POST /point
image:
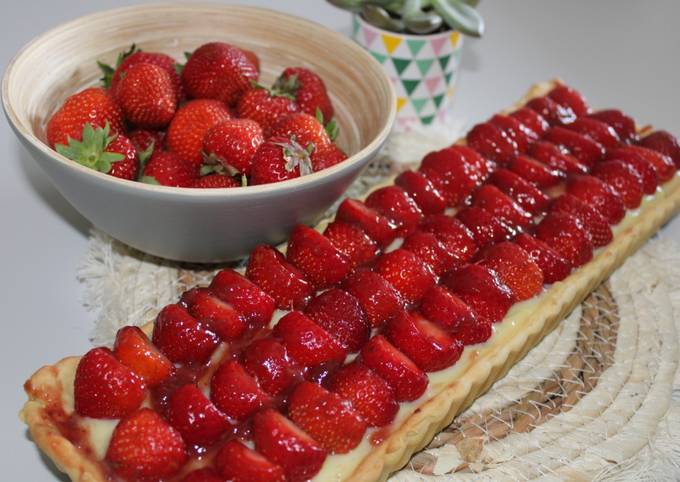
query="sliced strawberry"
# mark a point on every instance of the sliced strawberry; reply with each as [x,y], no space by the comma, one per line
[593,222]
[306,342]
[520,190]
[406,379]
[134,350]
[352,241]
[623,179]
[447,310]
[645,169]
[269,270]
[454,235]
[235,392]
[326,417]
[535,172]
[597,130]
[195,417]
[514,130]
[553,265]
[377,297]
[515,268]
[556,158]
[220,316]
[551,111]
[492,199]
[202,475]
[620,122]
[246,297]
[455,171]
[104,387]
[378,227]
[566,235]
[599,196]
[422,191]
[430,347]
[393,203]
[237,463]
[664,143]
[266,361]
[340,314]
[406,273]
[482,290]
[570,98]
[181,338]
[531,120]
[431,251]
[278,439]
[492,142]
[484,226]
[581,147]
[371,397]
[322,263]
[664,165]
[144,447]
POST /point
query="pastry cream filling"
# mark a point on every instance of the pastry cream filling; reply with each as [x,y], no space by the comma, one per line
[341,466]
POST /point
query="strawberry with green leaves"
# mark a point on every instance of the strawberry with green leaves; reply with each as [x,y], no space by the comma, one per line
[231,144]
[308,90]
[306,129]
[279,159]
[265,106]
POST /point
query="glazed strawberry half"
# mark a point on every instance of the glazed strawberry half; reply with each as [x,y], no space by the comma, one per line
[597,130]
[396,205]
[195,417]
[453,234]
[431,251]
[235,392]
[514,130]
[620,122]
[555,113]
[237,463]
[266,360]
[306,342]
[315,255]
[553,265]
[581,147]
[181,338]
[492,143]
[598,195]
[665,168]
[663,142]
[211,311]
[451,313]
[593,222]
[569,98]
[623,179]
[352,241]
[484,226]
[536,172]
[515,268]
[375,225]
[554,156]
[422,191]
[567,235]
[493,200]
[246,297]
[379,300]
[340,314]
[526,195]
[455,172]
[531,120]
[134,350]
[407,274]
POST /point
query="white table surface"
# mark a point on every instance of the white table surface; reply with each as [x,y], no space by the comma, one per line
[622,53]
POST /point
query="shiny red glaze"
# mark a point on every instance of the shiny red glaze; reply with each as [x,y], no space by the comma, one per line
[665,168]
[397,206]
[341,315]
[422,190]
[531,120]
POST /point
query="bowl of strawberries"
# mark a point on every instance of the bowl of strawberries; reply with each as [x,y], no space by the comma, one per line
[196,132]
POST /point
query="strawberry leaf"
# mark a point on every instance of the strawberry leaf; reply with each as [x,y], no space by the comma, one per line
[149,180]
[332,129]
[91,151]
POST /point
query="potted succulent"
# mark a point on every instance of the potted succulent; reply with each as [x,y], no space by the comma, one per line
[419,44]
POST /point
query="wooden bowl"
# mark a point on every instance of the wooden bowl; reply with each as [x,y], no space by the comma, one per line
[191,224]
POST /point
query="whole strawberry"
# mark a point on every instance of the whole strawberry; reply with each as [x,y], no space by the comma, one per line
[111,154]
[167,168]
[92,106]
[219,71]
[308,89]
[265,106]
[142,140]
[327,156]
[233,143]
[215,181]
[306,128]
[279,159]
[147,96]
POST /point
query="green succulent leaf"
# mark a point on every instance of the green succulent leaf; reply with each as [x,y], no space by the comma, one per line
[422,22]
[460,16]
[379,17]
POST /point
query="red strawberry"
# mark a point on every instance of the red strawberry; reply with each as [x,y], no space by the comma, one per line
[477,331]
[93,106]
[144,447]
[430,347]
[266,361]
[581,147]
[279,159]
[406,273]
[134,350]
[665,168]
[326,417]
[456,238]
[553,265]
[551,111]
[219,71]
[431,251]
[237,463]
[265,107]
[521,191]
[555,158]
[352,242]
[492,142]
[202,475]
[312,253]
[515,268]
[306,128]
[406,379]
[215,181]
[233,143]
[147,95]
[195,417]
[190,125]
[142,140]
[447,310]
[598,195]
[664,143]
[246,297]
[514,130]
[378,227]
[593,222]
[278,439]
[491,198]
[181,338]
[235,392]
[376,296]
[167,168]
[536,172]
[621,123]
[422,191]
[482,290]
[393,203]
[623,179]
[308,89]
[340,314]
[531,120]
[569,98]
[220,316]
[114,155]
[327,156]
[306,342]
[484,226]
[104,387]
[252,56]
[268,269]
[597,131]
[566,235]
[371,397]
[455,172]
[645,169]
